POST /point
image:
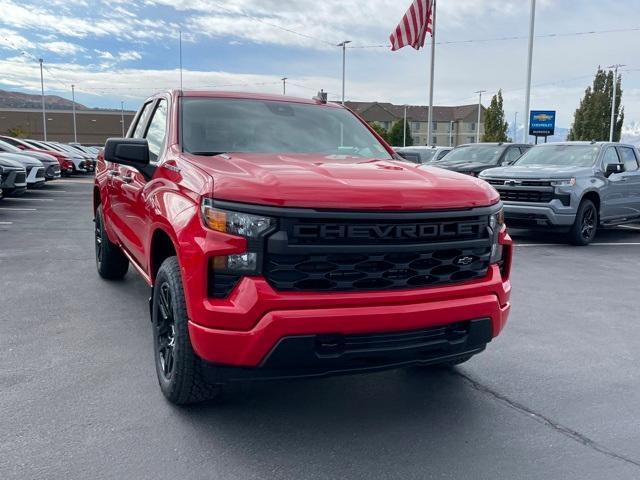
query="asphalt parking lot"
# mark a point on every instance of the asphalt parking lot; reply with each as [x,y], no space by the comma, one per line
[555,396]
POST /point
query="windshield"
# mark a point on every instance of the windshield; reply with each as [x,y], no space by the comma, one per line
[211,125]
[485,154]
[562,155]
[7,147]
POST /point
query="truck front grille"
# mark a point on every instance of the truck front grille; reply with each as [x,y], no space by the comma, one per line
[525,196]
[21,177]
[375,270]
[359,252]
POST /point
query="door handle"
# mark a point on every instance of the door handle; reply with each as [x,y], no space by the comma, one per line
[127,179]
[113,173]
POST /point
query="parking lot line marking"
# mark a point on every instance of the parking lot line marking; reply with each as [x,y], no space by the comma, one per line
[18,209]
[31,199]
[6,223]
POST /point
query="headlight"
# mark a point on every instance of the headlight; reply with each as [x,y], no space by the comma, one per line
[234,223]
[496,222]
[564,182]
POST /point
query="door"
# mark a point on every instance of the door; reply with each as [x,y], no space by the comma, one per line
[615,192]
[631,177]
[127,184]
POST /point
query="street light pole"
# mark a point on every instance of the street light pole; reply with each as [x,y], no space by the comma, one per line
[527,95]
[344,63]
[284,85]
[122,117]
[479,92]
[404,132]
[451,133]
[44,115]
[613,99]
[73,98]
[515,126]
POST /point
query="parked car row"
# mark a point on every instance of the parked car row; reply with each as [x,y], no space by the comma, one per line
[572,187]
[28,163]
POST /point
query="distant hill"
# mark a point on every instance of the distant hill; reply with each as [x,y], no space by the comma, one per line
[24,100]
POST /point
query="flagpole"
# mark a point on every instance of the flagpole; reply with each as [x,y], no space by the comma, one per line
[433,62]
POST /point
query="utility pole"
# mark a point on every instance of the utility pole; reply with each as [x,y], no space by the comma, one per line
[613,99]
[122,117]
[73,98]
[44,115]
[344,63]
[284,85]
[527,95]
[515,126]
[180,64]
[432,74]
[404,133]
[451,133]
[479,92]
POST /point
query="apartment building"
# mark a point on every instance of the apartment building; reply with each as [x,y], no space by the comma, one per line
[450,125]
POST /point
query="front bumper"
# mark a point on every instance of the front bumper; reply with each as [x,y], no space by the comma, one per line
[310,315]
[539,215]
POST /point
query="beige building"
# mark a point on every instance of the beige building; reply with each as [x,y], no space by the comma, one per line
[450,126]
[93,126]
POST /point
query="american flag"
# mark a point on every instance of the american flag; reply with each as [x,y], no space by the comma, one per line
[414,26]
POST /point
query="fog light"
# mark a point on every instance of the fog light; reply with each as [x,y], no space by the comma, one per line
[243,262]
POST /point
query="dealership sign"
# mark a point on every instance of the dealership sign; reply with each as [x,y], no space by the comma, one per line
[542,123]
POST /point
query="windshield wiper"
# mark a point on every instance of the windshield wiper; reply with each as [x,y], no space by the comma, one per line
[207,154]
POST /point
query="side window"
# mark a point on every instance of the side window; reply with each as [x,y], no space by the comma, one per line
[157,132]
[442,154]
[512,154]
[610,156]
[629,159]
[142,120]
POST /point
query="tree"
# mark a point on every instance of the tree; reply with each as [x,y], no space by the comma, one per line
[17,132]
[380,131]
[495,126]
[396,137]
[592,120]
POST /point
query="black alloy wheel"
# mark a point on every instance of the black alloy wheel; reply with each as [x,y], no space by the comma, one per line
[165,332]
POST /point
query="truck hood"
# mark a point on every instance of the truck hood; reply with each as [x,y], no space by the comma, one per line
[339,182]
[462,166]
[537,171]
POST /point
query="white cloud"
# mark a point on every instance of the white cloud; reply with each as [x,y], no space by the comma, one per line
[12,40]
[129,56]
[62,48]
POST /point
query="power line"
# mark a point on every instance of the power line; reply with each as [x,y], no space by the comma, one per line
[502,39]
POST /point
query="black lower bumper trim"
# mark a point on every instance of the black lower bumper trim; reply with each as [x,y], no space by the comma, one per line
[337,354]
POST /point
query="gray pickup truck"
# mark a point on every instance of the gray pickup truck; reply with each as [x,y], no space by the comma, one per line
[572,186]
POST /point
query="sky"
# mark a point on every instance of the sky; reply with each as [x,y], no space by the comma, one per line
[116,50]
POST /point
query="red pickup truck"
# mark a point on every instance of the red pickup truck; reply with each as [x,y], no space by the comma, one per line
[282,237]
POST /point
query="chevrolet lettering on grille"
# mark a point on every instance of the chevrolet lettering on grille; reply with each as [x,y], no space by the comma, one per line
[389,232]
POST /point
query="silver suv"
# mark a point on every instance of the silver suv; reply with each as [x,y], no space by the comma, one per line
[574,186]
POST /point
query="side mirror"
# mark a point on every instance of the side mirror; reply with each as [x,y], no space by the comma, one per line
[612,168]
[133,152]
[507,163]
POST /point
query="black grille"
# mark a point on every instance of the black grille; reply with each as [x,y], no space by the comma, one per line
[525,196]
[375,270]
[221,284]
[40,173]
[21,177]
[333,344]
[524,183]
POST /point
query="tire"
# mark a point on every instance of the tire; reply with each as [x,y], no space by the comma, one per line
[178,368]
[110,261]
[585,225]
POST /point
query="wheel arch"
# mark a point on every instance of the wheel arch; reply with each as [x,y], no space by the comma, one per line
[161,247]
[594,196]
